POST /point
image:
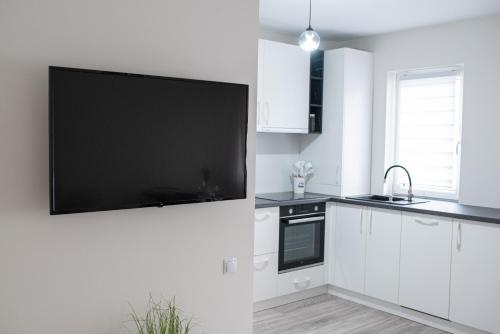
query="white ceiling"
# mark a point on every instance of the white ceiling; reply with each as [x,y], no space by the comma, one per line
[346,19]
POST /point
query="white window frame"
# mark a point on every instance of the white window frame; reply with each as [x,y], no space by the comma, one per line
[392,126]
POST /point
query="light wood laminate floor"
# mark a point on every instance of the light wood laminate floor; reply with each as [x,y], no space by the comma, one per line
[333,315]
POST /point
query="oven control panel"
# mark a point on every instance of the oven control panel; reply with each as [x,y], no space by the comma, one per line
[302,209]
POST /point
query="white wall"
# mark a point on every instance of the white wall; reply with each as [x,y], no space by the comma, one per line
[77,273]
[474,43]
[275,155]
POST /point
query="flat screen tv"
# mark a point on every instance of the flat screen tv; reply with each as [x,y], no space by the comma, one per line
[120,140]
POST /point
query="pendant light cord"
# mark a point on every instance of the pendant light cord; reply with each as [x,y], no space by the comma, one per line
[310,10]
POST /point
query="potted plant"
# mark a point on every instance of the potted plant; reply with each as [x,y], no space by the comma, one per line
[161,317]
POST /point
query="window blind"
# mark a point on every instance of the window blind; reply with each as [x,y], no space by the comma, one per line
[428,131]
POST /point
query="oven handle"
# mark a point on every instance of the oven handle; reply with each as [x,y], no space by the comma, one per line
[305,220]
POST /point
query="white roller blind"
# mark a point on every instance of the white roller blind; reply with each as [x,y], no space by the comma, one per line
[428,131]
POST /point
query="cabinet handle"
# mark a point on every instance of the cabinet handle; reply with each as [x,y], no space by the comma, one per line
[261,265]
[371,222]
[361,222]
[258,115]
[459,237]
[418,221]
[266,120]
[457,147]
[262,217]
[305,283]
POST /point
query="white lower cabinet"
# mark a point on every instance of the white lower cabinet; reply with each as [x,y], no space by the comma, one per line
[265,276]
[366,251]
[300,280]
[425,264]
[349,248]
[265,263]
[266,231]
[383,243]
[449,269]
[475,275]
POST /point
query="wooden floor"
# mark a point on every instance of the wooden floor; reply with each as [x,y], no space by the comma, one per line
[330,314]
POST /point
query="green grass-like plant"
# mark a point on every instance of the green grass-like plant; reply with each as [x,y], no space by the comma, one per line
[161,317]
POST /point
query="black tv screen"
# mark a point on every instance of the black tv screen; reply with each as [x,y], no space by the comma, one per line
[121,140]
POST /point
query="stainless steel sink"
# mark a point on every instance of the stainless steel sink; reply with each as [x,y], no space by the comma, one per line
[387,199]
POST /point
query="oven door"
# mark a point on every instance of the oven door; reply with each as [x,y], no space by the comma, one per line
[302,242]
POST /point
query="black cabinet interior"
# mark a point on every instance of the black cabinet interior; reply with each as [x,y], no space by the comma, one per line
[316,92]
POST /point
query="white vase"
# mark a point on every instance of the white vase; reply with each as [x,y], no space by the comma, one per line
[299,185]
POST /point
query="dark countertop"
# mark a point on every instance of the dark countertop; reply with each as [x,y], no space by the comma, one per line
[264,203]
[433,207]
[289,198]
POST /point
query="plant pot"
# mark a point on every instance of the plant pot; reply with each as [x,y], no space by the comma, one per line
[299,185]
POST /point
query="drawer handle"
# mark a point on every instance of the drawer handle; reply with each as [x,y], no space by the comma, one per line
[302,284]
[418,221]
[263,217]
[261,265]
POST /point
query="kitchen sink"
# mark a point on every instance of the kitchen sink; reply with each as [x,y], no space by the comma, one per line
[387,199]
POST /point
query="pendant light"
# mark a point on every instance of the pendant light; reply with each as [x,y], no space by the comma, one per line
[309,39]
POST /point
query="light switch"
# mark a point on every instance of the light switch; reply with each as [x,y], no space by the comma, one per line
[230,265]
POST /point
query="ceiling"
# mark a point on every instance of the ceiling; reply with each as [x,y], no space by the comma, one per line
[346,19]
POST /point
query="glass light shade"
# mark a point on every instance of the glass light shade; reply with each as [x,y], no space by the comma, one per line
[309,40]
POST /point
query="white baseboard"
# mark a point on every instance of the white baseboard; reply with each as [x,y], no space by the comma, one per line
[287,299]
[426,319]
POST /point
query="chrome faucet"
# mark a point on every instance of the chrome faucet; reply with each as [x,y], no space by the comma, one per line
[410,189]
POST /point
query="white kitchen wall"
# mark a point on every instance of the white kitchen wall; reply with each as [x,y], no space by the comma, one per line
[77,273]
[276,153]
[474,43]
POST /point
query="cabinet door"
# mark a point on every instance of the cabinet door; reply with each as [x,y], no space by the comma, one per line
[265,277]
[266,236]
[260,86]
[349,262]
[475,275]
[331,210]
[383,246]
[285,88]
[425,264]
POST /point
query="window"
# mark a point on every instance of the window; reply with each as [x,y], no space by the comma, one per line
[427,124]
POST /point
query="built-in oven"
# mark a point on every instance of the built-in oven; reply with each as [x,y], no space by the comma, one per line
[302,236]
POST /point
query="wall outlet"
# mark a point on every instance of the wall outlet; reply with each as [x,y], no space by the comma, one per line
[230,265]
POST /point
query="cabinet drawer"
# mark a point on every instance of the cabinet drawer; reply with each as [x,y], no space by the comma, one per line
[266,235]
[265,276]
[301,280]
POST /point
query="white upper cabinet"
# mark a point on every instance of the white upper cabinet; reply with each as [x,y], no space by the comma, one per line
[282,88]
[475,275]
[425,264]
[383,244]
[349,248]
[341,155]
